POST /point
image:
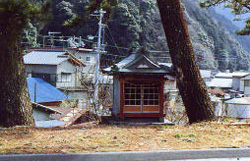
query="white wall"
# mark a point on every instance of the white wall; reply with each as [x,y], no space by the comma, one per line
[90,65]
[243,87]
[236,84]
[73,75]
[83,57]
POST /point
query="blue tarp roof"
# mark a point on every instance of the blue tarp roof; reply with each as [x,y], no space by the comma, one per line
[51,123]
[45,92]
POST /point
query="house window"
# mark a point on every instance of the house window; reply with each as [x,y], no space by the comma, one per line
[65,77]
[87,58]
[142,94]
[247,83]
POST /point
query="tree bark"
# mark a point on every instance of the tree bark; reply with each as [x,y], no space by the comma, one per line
[189,81]
[15,105]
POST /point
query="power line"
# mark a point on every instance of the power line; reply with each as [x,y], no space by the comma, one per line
[112,38]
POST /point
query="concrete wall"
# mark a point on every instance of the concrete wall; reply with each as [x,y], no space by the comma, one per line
[40,115]
[238,111]
[81,96]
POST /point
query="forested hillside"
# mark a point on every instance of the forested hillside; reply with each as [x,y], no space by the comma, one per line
[211,41]
[231,26]
[135,23]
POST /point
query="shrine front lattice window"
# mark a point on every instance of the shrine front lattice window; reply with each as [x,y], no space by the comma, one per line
[146,94]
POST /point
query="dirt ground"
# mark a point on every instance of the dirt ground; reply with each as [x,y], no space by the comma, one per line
[102,138]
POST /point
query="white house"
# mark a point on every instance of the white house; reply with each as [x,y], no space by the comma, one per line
[59,68]
[86,56]
[228,80]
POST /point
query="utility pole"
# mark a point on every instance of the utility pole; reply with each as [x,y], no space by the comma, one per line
[98,55]
[35,88]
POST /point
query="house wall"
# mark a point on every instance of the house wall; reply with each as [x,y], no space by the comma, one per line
[247,91]
[56,75]
[116,95]
[241,85]
[236,84]
[68,75]
[89,59]
[244,87]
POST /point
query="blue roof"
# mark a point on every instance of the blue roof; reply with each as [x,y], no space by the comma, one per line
[45,92]
[47,124]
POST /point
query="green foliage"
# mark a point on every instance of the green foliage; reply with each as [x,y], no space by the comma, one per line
[191,135]
[73,21]
[19,17]
[65,13]
[106,5]
[14,13]
[134,23]
[188,136]
[125,26]
[29,35]
[15,16]
[19,12]
[238,7]
[137,23]
[67,16]
[246,29]
[188,140]
[179,135]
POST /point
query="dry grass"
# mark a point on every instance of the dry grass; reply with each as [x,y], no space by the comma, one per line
[122,138]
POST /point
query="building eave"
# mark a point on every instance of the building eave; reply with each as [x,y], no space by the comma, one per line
[46,108]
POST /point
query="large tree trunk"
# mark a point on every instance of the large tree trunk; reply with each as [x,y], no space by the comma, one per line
[189,81]
[15,105]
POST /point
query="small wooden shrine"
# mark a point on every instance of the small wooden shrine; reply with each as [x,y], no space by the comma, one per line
[139,86]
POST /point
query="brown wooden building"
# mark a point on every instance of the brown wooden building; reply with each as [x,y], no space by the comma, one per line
[138,86]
